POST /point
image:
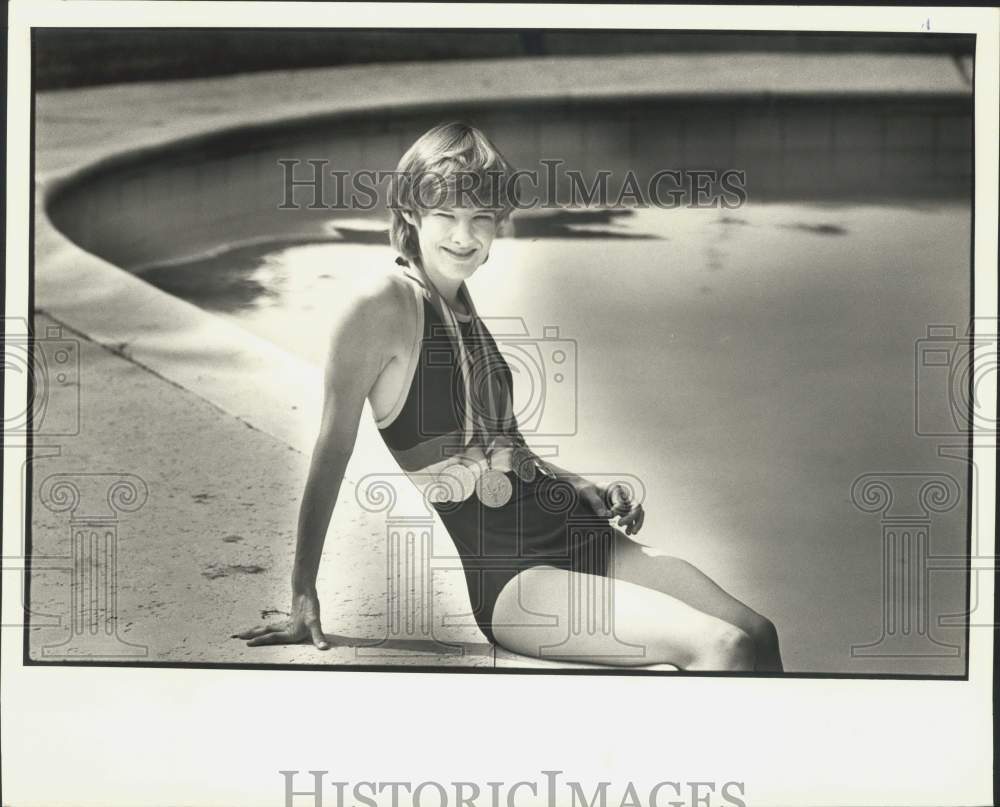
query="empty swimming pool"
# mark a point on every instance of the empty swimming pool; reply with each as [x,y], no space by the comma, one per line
[749,365]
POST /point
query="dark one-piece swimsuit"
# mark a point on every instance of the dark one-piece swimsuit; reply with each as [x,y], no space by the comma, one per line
[543,523]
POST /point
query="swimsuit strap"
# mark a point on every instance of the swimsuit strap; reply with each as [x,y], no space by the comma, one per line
[452,329]
[498,400]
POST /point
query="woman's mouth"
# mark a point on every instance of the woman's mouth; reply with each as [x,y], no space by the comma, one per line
[459,256]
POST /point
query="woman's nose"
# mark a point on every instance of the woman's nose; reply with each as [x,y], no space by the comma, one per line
[461,233]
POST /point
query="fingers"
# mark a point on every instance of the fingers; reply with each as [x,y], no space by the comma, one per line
[632,521]
[632,514]
[260,630]
[282,634]
[278,637]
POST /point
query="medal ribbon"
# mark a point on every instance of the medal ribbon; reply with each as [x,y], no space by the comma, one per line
[479,428]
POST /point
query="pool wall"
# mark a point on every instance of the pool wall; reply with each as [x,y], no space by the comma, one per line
[173,202]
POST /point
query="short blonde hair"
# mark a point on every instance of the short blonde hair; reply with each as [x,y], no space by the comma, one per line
[438,163]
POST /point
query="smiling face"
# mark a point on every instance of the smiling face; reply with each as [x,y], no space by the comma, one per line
[454,241]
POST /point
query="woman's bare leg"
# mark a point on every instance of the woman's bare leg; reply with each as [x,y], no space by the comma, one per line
[562,615]
[683,580]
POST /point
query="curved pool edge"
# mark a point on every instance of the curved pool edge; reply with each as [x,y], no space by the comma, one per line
[218,361]
[200,106]
[170,336]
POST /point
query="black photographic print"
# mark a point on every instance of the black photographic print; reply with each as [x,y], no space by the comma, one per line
[354,342]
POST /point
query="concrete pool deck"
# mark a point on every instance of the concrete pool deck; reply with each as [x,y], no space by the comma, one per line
[199,380]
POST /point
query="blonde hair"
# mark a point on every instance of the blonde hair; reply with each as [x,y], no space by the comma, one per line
[448,152]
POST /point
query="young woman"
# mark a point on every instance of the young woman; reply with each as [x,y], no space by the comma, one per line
[535,564]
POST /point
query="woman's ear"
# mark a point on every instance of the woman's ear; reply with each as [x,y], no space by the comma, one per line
[408,217]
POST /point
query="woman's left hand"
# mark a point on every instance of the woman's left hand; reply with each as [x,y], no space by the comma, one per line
[614,501]
[632,514]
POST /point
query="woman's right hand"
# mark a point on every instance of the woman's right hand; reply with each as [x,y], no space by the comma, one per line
[302,625]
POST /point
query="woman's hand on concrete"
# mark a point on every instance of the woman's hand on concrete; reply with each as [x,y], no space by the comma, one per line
[302,625]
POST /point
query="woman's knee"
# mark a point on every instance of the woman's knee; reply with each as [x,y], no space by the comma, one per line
[763,632]
[730,648]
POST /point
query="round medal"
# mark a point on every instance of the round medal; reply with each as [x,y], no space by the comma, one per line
[462,480]
[523,462]
[494,488]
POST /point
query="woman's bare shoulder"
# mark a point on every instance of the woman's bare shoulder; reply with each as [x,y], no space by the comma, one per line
[375,307]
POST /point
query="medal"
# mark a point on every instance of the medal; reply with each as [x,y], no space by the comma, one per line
[484,421]
[460,479]
[494,488]
[523,462]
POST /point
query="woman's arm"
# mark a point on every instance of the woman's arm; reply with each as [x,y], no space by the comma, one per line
[355,358]
[360,347]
